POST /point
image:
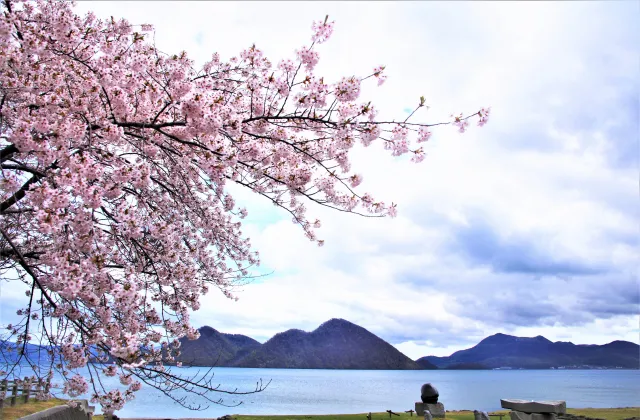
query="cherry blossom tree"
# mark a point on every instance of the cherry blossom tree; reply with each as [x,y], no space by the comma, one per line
[114,206]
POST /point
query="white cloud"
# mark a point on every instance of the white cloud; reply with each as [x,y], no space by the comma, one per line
[545,170]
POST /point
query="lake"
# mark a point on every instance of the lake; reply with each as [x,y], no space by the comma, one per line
[302,391]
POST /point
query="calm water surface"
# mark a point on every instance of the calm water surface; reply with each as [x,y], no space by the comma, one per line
[298,391]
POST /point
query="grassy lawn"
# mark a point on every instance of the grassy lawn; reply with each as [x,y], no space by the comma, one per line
[601,413]
[459,415]
[606,413]
[21,409]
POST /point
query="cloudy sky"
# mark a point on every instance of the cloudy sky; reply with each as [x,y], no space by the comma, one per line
[526,226]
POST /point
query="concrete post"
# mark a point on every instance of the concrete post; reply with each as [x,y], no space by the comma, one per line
[14,392]
[26,389]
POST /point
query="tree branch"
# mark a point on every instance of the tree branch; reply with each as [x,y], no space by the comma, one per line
[7,152]
[19,195]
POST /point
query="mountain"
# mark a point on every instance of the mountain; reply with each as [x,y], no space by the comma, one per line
[502,350]
[11,353]
[340,344]
[425,364]
[336,344]
[214,348]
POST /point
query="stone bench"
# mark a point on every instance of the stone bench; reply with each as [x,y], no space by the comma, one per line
[540,407]
[534,410]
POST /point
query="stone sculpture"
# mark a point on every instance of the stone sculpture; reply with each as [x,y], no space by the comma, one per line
[429,396]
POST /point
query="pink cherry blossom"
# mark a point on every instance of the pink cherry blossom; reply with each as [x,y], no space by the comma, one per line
[355,179]
[484,116]
[115,164]
[377,72]
[308,57]
[76,386]
[322,31]
[348,89]
[423,135]
[461,123]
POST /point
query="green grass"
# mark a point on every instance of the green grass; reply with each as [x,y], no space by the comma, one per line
[606,413]
[22,409]
[601,413]
[464,415]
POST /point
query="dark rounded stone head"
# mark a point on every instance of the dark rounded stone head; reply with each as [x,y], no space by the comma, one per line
[429,394]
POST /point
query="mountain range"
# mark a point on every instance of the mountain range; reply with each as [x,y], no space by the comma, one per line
[502,350]
[336,344]
[340,344]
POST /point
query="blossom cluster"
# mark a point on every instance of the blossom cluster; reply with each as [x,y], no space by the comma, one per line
[75,386]
[377,72]
[484,116]
[115,165]
[322,31]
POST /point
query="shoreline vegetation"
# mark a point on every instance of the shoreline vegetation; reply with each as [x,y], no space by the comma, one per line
[622,413]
